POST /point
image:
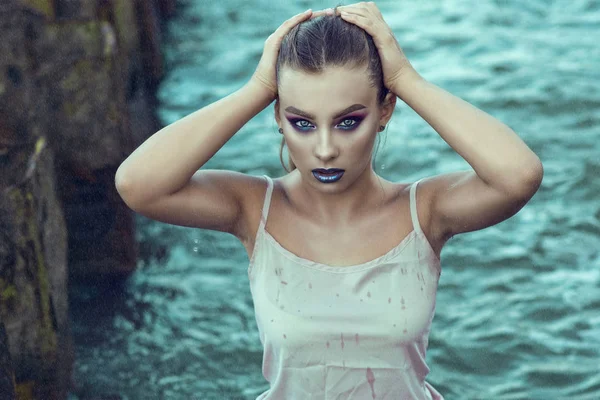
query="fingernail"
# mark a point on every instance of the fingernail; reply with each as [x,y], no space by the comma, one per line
[307,11]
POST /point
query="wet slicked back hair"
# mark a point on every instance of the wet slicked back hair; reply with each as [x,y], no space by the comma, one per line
[329,41]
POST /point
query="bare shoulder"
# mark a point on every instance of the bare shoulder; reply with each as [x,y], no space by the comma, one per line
[461,201]
[427,190]
[249,190]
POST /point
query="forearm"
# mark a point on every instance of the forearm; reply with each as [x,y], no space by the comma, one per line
[496,153]
[166,161]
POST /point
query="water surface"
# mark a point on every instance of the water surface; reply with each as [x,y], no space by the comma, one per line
[517,310]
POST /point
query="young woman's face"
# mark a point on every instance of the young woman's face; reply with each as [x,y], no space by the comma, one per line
[330,120]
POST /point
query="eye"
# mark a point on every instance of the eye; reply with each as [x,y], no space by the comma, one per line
[346,124]
[301,124]
[349,123]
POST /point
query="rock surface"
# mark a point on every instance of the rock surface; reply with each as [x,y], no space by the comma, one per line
[77,81]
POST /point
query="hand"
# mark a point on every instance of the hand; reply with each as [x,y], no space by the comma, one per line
[265,71]
[394,63]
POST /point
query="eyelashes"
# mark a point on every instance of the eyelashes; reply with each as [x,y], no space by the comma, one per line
[346,124]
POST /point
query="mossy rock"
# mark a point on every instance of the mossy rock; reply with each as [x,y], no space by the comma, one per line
[7,374]
[33,280]
[44,7]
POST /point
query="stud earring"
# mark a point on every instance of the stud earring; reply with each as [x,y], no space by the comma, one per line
[381,128]
[281,130]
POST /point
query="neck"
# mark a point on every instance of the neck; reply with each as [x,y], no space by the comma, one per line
[338,207]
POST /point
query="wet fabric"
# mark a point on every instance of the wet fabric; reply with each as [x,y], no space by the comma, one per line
[353,332]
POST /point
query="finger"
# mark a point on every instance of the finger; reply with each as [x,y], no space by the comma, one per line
[327,11]
[356,12]
[302,15]
[291,22]
[297,18]
[358,20]
[353,12]
[352,8]
[374,9]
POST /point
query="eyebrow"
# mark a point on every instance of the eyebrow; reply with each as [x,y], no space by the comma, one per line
[345,111]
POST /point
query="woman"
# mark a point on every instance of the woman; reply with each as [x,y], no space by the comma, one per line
[344,265]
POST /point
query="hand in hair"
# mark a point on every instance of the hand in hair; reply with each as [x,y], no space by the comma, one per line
[265,71]
[394,63]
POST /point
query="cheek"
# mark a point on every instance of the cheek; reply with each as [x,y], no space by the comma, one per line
[294,148]
[364,144]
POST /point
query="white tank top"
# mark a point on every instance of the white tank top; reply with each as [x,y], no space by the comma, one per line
[354,332]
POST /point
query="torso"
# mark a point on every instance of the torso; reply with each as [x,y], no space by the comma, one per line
[367,238]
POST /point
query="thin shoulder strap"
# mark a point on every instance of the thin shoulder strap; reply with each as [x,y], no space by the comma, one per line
[267,202]
[413,206]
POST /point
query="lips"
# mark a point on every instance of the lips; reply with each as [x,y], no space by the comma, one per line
[328,171]
[328,175]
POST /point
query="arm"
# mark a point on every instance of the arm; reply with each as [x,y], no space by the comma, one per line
[506,172]
[161,179]
[499,157]
[170,157]
[166,161]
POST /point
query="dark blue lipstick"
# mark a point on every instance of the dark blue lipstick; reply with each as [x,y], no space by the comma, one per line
[328,175]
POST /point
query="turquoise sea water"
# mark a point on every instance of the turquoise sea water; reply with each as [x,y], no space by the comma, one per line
[518,307]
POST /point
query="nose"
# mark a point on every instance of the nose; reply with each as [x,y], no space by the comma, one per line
[325,148]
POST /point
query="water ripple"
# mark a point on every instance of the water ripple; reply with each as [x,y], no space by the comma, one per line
[517,310]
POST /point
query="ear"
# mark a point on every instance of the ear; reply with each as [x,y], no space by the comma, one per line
[387,108]
[276,107]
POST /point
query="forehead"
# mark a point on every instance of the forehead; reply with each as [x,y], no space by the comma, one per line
[330,90]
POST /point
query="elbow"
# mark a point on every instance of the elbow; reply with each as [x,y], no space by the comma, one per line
[120,181]
[123,187]
[531,179]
